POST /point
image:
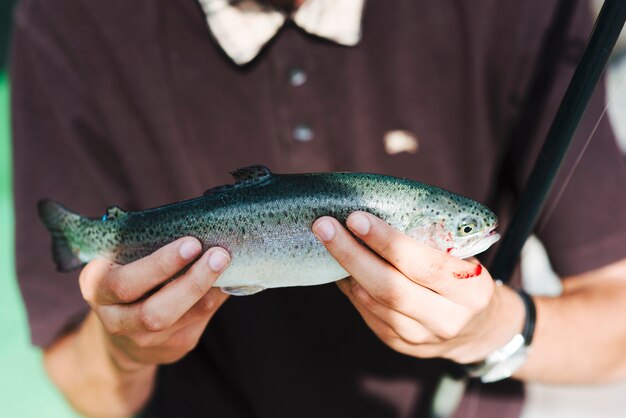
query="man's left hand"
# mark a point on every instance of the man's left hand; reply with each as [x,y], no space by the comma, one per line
[418,300]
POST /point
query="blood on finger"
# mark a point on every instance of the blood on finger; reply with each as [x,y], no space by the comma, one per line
[468,274]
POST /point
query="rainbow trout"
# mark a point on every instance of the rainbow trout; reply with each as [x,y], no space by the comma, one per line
[264,220]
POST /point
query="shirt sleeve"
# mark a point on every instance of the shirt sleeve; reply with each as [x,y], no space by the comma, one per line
[60,151]
[583,223]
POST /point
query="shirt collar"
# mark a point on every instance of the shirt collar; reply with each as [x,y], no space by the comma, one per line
[243,27]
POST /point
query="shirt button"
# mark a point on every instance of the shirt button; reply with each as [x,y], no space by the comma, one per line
[297,77]
[303,133]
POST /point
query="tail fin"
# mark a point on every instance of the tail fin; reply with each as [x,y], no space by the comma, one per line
[58,220]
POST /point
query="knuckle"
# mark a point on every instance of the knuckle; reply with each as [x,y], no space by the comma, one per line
[112,326]
[197,285]
[206,305]
[410,336]
[451,329]
[90,278]
[391,297]
[166,261]
[388,336]
[150,319]
[143,340]
[386,244]
[367,300]
[345,258]
[119,289]
[434,269]
[164,264]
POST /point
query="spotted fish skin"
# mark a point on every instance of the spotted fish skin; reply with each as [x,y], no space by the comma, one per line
[264,220]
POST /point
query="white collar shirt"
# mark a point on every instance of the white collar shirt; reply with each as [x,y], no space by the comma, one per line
[242,28]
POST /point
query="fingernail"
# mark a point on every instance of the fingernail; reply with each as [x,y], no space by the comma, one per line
[189,249]
[217,261]
[359,223]
[325,230]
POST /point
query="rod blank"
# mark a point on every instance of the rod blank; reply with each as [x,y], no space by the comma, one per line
[584,81]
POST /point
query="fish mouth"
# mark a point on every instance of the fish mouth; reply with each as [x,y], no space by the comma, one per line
[478,246]
[493,233]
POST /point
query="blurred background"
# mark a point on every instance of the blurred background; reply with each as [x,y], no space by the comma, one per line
[24,389]
[26,392]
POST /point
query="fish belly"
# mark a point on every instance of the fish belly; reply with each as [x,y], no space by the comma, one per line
[281,263]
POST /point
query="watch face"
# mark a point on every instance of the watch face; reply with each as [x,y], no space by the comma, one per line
[506,367]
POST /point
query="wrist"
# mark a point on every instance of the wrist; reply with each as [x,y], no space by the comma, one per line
[79,365]
[503,319]
[505,360]
[129,380]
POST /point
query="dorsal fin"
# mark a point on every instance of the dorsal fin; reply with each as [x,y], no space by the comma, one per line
[113,212]
[253,175]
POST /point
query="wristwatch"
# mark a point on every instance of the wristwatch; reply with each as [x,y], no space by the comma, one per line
[502,363]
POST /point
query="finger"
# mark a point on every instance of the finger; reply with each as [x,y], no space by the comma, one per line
[205,308]
[381,280]
[378,326]
[388,334]
[165,307]
[426,266]
[387,285]
[114,284]
[180,336]
[408,329]
[183,341]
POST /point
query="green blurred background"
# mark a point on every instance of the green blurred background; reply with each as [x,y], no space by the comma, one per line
[25,391]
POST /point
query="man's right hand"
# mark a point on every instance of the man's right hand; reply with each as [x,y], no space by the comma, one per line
[145,328]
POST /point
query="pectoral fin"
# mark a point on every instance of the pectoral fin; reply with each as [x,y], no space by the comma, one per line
[419,228]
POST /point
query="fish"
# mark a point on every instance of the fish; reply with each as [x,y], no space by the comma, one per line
[264,220]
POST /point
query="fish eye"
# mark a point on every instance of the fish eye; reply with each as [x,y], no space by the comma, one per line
[467,226]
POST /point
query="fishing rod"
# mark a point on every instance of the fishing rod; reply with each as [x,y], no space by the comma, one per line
[588,72]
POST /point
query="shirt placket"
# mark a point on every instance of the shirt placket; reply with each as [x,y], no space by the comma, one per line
[298,104]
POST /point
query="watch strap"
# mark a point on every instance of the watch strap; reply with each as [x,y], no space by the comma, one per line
[503,362]
[531,316]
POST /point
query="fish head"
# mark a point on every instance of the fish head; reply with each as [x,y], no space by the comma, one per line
[456,225]
[473,235]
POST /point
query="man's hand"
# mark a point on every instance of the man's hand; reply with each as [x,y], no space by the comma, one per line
[106,367]
[418,300]
[161,327]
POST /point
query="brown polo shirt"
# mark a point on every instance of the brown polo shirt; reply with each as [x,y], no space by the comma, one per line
[132,103]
